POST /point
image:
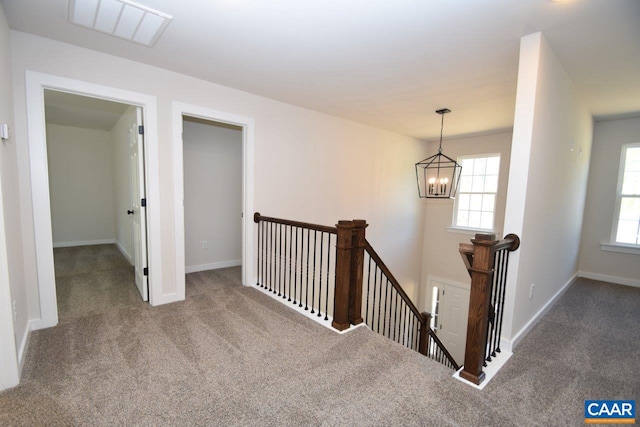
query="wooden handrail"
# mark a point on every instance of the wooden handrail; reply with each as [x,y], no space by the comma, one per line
[423,318]
[257,218]
[394,282]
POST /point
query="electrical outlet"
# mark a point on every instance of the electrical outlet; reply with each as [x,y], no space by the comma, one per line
[15,312]
[531,290]
[205,244]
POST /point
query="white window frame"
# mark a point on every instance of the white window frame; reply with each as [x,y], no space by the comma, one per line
[454,227]
[614,246]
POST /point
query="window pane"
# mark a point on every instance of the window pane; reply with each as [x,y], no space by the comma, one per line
[493,165]
[465,183]
[476,202]
[486,220]
[480,166]
[474,219]
[630,209]
[488,202]
[491,184]
[467,166]
[627,232]
[463,201]
[631,183]
[632,160]
[478,184]
[463,219]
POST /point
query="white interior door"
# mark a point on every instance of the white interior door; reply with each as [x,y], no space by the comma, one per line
[138,202]
[453,313]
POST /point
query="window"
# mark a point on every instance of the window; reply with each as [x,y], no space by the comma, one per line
[476,201]
[627,224]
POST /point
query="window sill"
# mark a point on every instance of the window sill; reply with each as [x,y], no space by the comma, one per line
[471,231]
[620,248]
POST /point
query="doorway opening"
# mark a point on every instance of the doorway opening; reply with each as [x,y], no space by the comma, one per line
[36,84]
[212,165]
[95,162]
[202,138]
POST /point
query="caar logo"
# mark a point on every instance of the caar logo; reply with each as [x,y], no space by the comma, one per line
[610,411]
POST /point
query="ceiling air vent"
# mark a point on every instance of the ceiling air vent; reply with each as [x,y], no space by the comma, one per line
[120,18]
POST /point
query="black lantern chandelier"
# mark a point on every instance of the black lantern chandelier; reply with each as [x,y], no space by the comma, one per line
[438,176]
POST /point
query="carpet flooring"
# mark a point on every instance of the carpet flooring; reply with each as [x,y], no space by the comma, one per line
[230,355]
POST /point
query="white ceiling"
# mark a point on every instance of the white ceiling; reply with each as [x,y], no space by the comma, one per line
[80,111]
[386,63]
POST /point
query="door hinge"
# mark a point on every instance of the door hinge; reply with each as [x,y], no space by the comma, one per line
[143,203]
[145,271]
[141,130]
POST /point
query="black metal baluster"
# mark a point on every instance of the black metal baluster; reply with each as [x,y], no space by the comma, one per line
[313,276]
[295,266]
[259,252]
[320,275]
[379,299]
[375,288]
[306,295]
[270,252]
[326,297]
[496,304]
[386,297]
[290,240]
[505,268]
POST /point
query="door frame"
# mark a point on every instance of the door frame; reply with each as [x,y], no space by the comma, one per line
[36,83]
[180,109]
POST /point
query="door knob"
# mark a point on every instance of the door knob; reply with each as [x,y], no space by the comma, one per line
[129,212]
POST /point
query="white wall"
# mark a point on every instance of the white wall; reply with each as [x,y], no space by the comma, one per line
[13,335]
[440,254]
[212,195]
[608,139]
[120,158]
[80,185]
[308,166]
[547,184]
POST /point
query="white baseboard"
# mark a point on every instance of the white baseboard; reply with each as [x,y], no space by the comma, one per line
[511,344]
[490,371]
[84,243]
[124,253]
[611,279]
[24,345]
[213,266]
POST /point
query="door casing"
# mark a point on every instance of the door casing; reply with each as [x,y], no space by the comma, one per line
[36,83]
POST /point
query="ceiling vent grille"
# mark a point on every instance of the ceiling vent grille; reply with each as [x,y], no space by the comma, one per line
[120,18]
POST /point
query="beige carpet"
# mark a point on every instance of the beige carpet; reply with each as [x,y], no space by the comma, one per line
[230,355]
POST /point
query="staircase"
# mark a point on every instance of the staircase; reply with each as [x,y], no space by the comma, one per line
[334,275]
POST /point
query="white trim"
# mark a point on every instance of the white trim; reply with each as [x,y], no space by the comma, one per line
[24,345]
[35,85]
[611,279]
[124,253]
[490,371]
[9,366]
[509,345]
[620,248]
[213,266]
[471,231]
[307,313]
[179,109]
[84,243]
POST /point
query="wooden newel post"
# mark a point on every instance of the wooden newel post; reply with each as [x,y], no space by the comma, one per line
[423,344]
[357,268]
[343,275]
[479,301]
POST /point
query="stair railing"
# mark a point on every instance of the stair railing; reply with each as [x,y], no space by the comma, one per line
[487,261]
[321,269]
